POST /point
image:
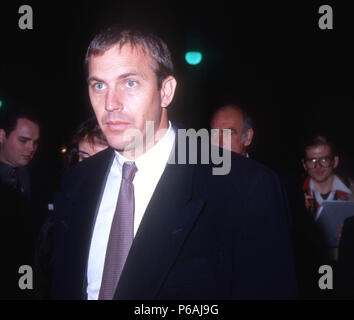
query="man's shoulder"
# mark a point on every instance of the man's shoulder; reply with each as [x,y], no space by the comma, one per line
[243,166]
[245,173]
[251,165]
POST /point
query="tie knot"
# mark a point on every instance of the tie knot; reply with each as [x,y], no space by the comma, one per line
[129,170]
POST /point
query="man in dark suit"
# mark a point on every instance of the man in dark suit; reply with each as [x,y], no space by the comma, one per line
[19,136]
[196,234]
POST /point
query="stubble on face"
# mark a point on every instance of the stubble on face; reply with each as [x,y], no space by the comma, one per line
[129,96]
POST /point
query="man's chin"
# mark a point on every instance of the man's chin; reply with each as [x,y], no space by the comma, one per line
[122,147]
[22,164]
[119,146]
[130,151]
[320,179]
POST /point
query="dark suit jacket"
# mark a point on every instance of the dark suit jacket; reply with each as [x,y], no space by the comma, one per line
[16,242]
[201,237]
[344,278]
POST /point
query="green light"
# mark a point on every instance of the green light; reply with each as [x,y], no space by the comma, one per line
[0,103]
[193,57]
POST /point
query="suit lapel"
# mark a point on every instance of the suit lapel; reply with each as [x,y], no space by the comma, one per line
[166,223]
[84,202]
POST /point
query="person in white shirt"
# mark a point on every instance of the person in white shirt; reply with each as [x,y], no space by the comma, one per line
[320,161]
[195,235]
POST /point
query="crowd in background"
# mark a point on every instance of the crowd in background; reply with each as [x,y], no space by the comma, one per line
[66,228]
[28,197]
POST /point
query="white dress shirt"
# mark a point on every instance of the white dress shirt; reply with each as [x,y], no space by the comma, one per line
[150,167]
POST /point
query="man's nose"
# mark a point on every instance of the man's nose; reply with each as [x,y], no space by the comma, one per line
[113,101]
[318,164]
[31,147]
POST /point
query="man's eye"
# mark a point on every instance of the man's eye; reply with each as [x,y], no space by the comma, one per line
[227,132]
[131,83]
[99,86]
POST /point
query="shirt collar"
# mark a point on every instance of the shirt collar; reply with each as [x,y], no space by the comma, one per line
[6,170]
[337,185]
[155,156]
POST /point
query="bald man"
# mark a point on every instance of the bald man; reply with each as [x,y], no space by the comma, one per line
[239,122]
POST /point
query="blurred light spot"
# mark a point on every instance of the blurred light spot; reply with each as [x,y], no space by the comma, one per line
[193,57]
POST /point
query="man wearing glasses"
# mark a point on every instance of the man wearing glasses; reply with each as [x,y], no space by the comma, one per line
[319,161]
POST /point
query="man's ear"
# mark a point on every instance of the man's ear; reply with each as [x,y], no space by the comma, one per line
[167,91]
[2,135]
[303,164]
[336,162]
[249,137]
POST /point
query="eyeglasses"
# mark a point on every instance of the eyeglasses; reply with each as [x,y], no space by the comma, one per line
[325,162]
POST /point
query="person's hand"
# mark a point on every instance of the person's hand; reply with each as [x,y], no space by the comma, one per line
[309,202]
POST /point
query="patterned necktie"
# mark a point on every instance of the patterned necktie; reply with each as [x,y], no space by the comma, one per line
[121,234]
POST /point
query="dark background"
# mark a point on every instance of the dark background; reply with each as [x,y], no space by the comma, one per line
[272,57]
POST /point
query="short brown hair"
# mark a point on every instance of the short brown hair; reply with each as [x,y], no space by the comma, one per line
[10,116]
[88,130]
[118,35]
[320,140]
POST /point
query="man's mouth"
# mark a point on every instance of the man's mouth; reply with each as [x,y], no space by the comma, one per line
[117,125]
[319,172]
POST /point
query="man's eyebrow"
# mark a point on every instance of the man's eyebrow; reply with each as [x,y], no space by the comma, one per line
[28,138]
[91,79]
[122,76]
[231,129]
[25,138]
[132,74]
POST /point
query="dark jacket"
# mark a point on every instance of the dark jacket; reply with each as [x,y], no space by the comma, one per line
[16,240]
[202,236]
[344,280]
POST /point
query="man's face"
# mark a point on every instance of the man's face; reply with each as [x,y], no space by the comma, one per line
[124,95]
[87,149]
[229,118]
[320,171]
[19,147]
